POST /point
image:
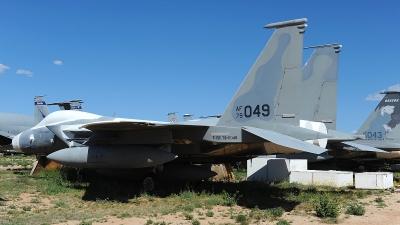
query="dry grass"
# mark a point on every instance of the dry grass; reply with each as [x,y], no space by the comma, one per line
[57,197]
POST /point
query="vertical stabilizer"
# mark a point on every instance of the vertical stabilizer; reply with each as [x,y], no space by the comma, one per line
[320,85]
[271,90]
[40,109]
[172,117]
[384,120]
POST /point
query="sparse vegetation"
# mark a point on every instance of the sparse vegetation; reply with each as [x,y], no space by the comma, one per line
[60,195]
[282,222]
[195,222]
[356,209]
[209,214]
[241,219]
[26,208]
[188,216]
[276,211]
[327,206]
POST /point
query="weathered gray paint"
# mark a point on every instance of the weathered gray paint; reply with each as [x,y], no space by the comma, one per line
[320,85]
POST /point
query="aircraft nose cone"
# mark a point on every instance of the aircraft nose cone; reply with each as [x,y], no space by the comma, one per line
[15,143]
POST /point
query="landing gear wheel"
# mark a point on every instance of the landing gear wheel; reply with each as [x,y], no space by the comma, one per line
[149,183]
[361,168]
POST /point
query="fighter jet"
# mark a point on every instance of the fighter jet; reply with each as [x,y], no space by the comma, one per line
[380,131]
[12,124]
[262,118]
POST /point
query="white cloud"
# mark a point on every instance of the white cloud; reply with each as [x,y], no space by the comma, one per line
[395,87]
[374,97]
[58,63]
[25,72]
[378,97]
[3,67]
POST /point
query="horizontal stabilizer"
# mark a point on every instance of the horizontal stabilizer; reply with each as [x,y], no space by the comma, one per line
[338,136]
[360,147]
[284,140]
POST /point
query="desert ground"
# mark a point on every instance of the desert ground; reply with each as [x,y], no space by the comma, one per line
[21,202]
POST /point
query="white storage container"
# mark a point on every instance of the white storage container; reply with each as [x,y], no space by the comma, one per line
[321,177]
[374,180]
[271,169]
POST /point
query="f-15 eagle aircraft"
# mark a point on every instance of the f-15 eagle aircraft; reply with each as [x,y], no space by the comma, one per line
[262,118]
[12,124]
[381,131]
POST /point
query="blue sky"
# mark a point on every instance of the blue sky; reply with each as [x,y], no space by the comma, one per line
[143,59]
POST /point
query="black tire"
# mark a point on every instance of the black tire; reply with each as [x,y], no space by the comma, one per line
[149,182]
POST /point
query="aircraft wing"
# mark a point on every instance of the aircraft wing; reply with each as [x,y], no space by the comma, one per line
[284,140]
[360,147]
[138,125]
[118,126]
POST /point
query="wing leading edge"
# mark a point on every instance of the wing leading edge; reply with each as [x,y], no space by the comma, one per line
[284,140]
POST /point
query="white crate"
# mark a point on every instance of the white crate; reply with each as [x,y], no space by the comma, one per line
[271,169]
[321,177]
[374,180]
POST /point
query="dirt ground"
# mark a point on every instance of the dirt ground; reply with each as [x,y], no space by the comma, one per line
[375,214]
[386,213]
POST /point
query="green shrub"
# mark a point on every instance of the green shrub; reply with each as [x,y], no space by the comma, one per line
[209,214]
[356,209]
[160,223]
[282,222]
[327,206]
[188,216]
[379,200]
[26,208]
[195,222]
[229,200]
[241,219]
[61,204]
[188,208]
[85,223]
[258,214]
[277,211]
[124,215]
[35,200]
[361,194]
[149,222]
[212,201]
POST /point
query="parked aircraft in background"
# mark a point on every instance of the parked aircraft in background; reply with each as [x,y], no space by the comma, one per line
[380,131]
[262,118]
[12,124]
